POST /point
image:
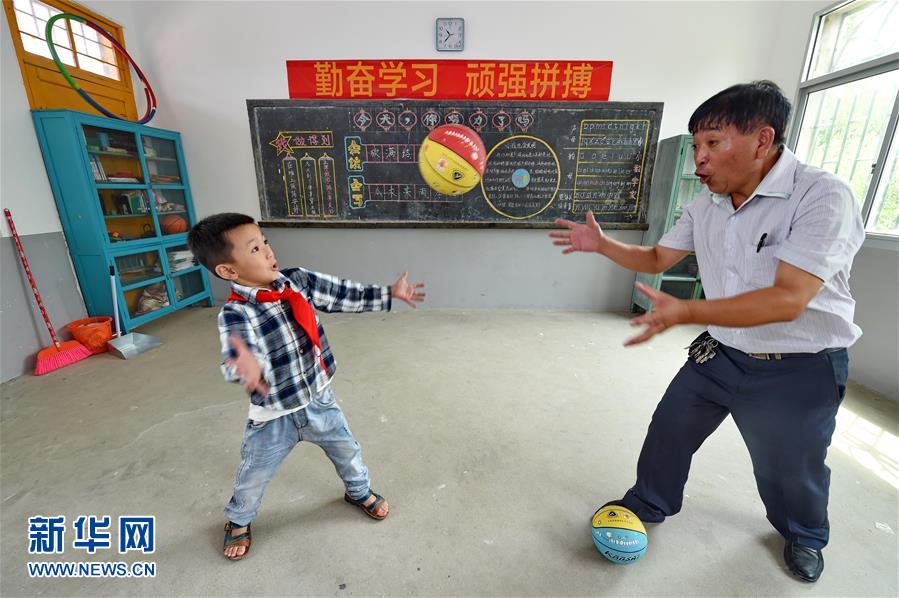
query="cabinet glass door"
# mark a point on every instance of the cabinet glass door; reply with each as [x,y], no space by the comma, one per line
[143,282]
[188,285]
[161,157]
[686,268]
[187,275]
[687,191]
[689,166]
[113,155]
[171,206]
[138,268]
[147,299]
[679,288]
[127,214]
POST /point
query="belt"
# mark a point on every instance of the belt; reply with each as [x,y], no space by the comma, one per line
[766,356]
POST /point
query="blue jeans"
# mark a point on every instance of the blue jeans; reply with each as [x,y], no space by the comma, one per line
[266,444]
[786,412]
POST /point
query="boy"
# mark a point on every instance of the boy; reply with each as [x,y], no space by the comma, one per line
[273,344]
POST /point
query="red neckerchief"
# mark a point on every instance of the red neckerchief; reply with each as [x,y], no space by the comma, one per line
[302,313]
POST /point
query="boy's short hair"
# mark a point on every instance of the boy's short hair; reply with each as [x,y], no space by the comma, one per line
[207,240]
[745,106]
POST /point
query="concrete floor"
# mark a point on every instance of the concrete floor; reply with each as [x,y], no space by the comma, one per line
[494,434]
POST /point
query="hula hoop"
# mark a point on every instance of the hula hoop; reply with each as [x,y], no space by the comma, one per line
[148,91]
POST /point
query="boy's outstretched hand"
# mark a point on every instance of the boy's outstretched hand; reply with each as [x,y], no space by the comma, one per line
[247,367]
[403,290]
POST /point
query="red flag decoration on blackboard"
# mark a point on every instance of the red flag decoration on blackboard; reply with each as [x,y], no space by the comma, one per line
[450,79]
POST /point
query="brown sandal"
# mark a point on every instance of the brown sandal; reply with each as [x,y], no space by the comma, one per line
[371,509]
[244,539]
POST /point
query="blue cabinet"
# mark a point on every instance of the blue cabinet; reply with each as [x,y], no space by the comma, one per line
[123,197]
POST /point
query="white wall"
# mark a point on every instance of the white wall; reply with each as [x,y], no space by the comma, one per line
[24,187]
[873,360]
[205,65]
[206,58]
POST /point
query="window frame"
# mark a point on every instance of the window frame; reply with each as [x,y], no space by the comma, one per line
[25,57]
[863,70]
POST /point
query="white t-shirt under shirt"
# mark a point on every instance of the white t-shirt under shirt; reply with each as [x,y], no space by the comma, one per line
[262,414]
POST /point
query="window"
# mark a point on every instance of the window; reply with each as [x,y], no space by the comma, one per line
[90,58]
[884,217]
[853,33]
[848,104]
[93,52]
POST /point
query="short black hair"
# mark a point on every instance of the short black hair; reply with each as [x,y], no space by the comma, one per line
[207,238]
[746,106]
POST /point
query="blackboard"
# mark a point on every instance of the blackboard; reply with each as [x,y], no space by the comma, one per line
[354,163]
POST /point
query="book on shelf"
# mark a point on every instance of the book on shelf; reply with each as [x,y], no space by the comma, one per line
[122,179]
[181,266]
[138,202]
[97,168]
[162,178]
[181,260]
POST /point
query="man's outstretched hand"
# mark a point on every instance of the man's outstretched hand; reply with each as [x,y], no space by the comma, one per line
[667,311]
[578,237]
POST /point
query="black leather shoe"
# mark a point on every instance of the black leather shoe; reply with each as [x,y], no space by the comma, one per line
[804,562]
[644,517]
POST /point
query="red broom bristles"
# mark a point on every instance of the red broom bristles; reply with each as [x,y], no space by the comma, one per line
[53,358]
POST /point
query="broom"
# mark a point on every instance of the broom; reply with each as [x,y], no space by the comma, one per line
[59,354]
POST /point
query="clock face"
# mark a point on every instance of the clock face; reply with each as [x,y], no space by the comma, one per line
[450,35]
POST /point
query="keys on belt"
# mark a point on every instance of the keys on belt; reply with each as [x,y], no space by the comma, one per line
[703,349]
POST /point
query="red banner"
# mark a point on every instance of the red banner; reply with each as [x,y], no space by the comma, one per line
[450,79]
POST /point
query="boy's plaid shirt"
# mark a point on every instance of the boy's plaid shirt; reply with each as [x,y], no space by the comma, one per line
[284,352]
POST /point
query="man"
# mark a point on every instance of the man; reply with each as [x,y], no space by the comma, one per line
[775,240]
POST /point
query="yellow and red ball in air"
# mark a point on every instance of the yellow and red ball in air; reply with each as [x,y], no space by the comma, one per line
[452,159]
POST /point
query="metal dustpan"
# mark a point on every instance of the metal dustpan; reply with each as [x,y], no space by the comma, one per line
[132,344]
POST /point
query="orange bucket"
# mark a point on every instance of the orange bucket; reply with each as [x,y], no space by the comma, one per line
[93,333]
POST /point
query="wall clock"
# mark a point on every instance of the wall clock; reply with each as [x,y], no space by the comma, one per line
[450,34]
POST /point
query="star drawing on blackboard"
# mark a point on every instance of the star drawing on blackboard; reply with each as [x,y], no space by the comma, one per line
[282,144]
